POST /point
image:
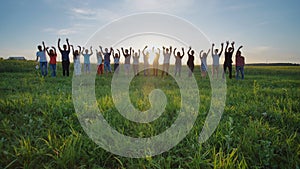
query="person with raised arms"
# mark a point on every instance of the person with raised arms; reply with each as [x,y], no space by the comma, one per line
[106,54]
[156,62]
[190,62]
[99,62]
[127,54]
[178,63]
[239,63]
[146,61]
[136,62]
[228,59]
[65,57]
[86,57]
[41,54]
[52,63]
[167,55]
[116,57]
[216,60]
[203,58]
[76,60]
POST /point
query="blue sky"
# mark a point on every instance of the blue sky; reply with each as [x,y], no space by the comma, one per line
[268,30]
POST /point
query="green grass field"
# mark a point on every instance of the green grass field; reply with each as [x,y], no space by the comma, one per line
[259,127]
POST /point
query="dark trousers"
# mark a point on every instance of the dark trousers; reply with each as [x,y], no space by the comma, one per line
[229,66]
[66,67]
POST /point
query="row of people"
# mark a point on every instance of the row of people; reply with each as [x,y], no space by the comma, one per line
[104,62]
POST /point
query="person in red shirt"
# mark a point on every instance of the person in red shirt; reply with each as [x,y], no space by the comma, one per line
[52,54]
[239,63]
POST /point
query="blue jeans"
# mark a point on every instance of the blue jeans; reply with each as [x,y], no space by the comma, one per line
[107,66]
[239,69]
[44,70]
[53,70]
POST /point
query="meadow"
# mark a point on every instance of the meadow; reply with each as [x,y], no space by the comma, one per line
[258,129]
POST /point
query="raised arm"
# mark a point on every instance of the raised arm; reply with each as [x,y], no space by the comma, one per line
[208,52]
[232,45]
[79,49]
[139,52]
[174,52]
[71,46]
[212,49]
[101,49]
[119,52]
[111,49]
[45,48]
[239,48]
[130,51]
[164,50]
[54,49]
[227,43]
[123,51]
[170,49]
[91,49]
[82,52]
[182,52]
[189,51]
[158,51]
[58,44]
[200,55]
[144,50]
[68,44]
[222,45]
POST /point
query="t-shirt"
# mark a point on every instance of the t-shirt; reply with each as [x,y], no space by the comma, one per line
[127,59]
[53,59]
[116,60]
[239,61]
[178,60]
[65,55]
[190,60]
[146,57]
[99,59]
[86,58]
[136,60]
[42,56]
[203,61]
[107,57]
[167,58]
[216,59]
[228,57]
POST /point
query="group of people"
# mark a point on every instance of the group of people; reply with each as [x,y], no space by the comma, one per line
[104,60]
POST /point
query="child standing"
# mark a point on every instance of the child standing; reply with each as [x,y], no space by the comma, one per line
[216,57]
[228,59]
[178,63]
[86,57]
[239,63]
[43,60]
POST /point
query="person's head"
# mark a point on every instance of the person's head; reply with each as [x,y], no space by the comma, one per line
[65,47]
[51,51]
[76,52]
[204,54]
[167,50]
[39,48]
[230,49]
[126,51]
[116,55]
[136,54]
[178,53]
[106,50]
[147,53]
[216,51]
[192,52]
[86,51]
[238,53]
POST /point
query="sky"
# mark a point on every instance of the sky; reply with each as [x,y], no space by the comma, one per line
[267,29]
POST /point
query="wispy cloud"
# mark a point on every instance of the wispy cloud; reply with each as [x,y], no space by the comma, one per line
[61,32]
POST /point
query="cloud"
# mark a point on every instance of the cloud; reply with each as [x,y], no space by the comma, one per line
[62,32]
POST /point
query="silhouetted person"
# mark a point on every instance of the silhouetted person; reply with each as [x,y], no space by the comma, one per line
[228,59]
[178,63]
[65,57]
[167,55]
[190,61]
[239,63]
